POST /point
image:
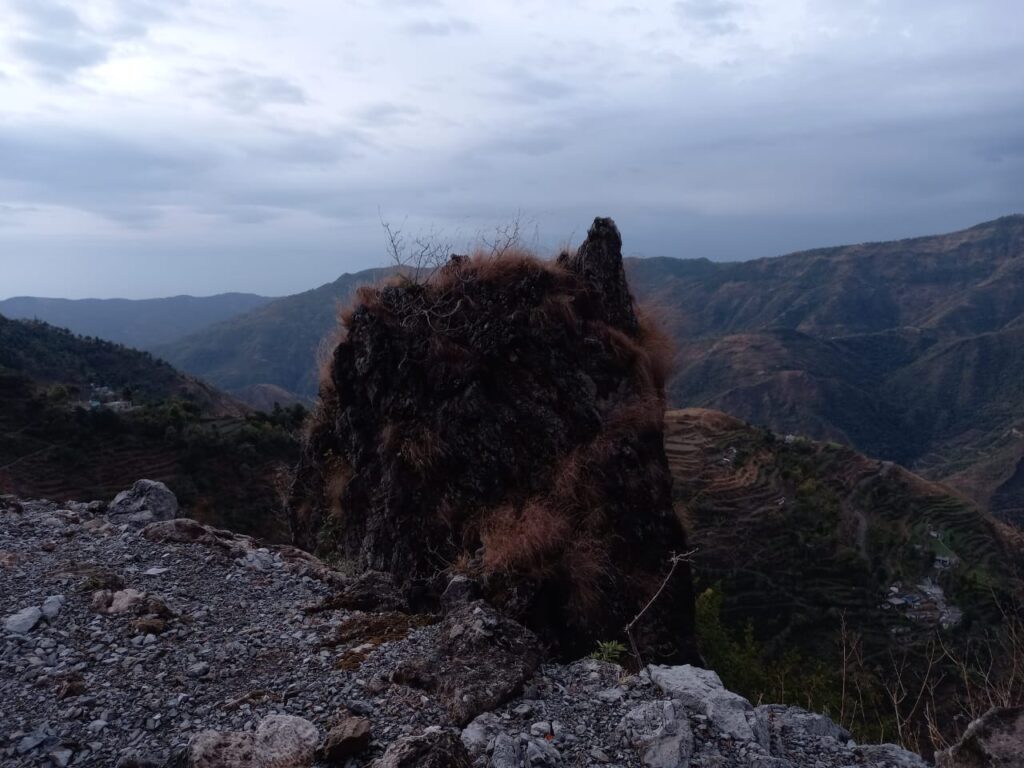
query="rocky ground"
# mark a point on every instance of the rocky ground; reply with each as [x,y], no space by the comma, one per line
[133,641]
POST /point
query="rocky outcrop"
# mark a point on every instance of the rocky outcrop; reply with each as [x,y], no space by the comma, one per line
[505,415]
[994,740]
[147,501]
[590,713]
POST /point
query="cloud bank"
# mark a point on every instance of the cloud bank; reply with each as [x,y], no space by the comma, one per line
[149,148]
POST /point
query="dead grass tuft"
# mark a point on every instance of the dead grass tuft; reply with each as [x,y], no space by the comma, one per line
[422,450]
[527,538]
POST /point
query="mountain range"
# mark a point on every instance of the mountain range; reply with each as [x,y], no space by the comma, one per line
[909,351]
[139,323]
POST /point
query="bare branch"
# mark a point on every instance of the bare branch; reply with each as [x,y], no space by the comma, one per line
[675,560]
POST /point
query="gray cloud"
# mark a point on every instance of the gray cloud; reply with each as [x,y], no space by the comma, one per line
[525,85]
[387,113]
[244,92]
[56,60]
[716,17]
[111,177]
[56,43]
[54,40]
[48,16]
[894,121]
[438,27]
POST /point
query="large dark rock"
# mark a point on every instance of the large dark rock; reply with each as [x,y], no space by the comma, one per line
[994,740]
[434,749]
[504,419]
[481,660]
[145,502]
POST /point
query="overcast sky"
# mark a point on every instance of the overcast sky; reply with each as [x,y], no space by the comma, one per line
[156,147]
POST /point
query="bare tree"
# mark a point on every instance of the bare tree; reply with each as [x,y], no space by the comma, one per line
[418,260]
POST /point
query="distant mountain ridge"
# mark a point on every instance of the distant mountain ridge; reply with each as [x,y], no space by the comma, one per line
[909,350]
[277,344]
[139,323]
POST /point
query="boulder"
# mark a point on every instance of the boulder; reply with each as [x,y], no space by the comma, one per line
[994,740]
[516,751]
[434,749]
[481,661]
[279,741]
[480,733]
[349,737]
[508,413]
[891,756]
[23,621]
[660,732]
[777,716]
[701,690]
[51,606]
[145,502]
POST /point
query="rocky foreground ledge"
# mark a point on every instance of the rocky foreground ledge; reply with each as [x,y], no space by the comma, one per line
[131,640]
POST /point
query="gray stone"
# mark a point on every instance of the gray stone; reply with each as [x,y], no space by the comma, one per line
[30,742]
[506,753]
[892,756]
[61,757]
[147,501]
[279,741]
[52,605]
[802,721]
[527,751]
[23,621]
[540,729]
[478,734]
[257,559]
[198,669]
[701,690]
[660,732]
[350,737]
[994,739]
[541,754]
[433,749]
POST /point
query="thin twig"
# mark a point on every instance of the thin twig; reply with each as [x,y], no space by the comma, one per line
[675,560]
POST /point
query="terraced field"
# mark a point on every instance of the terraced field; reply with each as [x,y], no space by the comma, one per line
[797,535]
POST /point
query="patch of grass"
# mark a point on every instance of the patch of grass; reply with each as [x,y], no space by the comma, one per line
[611,651]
